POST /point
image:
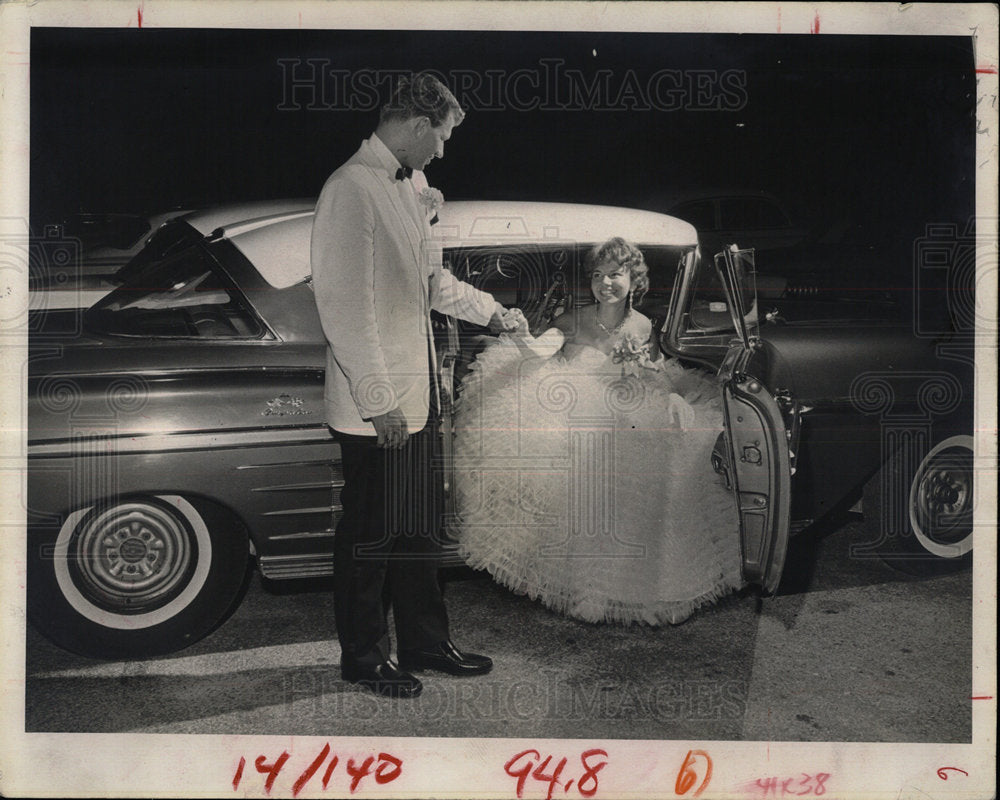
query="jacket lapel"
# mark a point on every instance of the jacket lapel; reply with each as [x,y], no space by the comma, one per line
[407,221]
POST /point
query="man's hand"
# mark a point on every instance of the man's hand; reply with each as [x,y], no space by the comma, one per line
[391,429]
[504,321]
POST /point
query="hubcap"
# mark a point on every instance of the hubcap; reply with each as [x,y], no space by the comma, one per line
[132,557]
[941,499]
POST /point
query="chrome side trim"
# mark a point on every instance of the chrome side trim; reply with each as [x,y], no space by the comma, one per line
[133,442]
[313,565]
[281,537]
[290,512]
[294,487]
[321,462]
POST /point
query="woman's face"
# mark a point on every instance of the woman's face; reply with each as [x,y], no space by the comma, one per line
[610,282]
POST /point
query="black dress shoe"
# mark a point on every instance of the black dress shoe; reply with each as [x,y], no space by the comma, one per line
[385,678]
[445,657]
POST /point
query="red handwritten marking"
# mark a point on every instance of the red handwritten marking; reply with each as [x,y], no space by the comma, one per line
[383,775]
[271,770]
[986,70]
[779,19]
[982,697]
[239,773]
[539,774]
[329,771]
[310,770]
[590,771]
[139,15]
[944,777]
[387,769]
[686,776]
[813,785]
[357,773]
[815,25]
[530,763]
[521,773]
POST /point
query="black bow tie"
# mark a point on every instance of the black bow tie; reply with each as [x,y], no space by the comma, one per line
[403,173]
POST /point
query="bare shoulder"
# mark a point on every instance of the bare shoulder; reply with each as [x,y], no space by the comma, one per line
[639,324]
[567,322]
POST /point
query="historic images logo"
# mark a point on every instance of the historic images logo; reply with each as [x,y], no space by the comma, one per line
[313,84]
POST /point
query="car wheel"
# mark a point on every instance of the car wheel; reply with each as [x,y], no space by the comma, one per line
[139,577]
[922,517]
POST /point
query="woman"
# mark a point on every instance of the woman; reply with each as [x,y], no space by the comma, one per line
[582,460]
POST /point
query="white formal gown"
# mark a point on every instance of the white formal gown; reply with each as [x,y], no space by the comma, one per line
[585,482]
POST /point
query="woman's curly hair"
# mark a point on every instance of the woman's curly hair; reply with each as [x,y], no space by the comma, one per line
[627,256]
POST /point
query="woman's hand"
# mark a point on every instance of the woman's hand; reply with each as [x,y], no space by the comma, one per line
[515,318]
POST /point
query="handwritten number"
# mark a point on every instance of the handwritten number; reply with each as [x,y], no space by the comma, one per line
[521,773]
[553,779]
[329,770]
[271,770]
[357,773]
[944,777]
[388,769]
[590,771]
[820,781]
[686,776]
[239,773]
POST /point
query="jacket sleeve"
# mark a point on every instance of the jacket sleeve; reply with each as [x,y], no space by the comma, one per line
[343,271]
[449,295]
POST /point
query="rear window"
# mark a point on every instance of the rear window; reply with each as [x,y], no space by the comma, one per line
[184,294]
[171,237]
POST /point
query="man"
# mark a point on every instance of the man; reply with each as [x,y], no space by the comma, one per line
[376,280]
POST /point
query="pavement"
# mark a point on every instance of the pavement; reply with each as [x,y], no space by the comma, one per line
[849,650]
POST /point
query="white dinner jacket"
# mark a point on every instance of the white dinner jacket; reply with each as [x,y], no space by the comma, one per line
[377,275]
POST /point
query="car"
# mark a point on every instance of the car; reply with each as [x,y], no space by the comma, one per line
[81,261]
[177,440]
[752,217]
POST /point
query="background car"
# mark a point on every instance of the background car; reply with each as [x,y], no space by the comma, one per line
[754,218]
[100,261]
[177,434]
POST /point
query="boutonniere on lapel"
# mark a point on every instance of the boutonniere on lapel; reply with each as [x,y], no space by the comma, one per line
[431,199]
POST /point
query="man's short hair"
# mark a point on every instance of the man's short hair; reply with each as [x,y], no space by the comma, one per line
[421,95]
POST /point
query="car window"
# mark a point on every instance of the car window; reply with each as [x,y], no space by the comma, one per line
[171,237]
[707,310]
[182,295]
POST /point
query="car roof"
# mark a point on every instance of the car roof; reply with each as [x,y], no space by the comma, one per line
[208,220]
[277,240]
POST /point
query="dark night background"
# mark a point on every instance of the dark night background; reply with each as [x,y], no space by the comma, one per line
[875,132]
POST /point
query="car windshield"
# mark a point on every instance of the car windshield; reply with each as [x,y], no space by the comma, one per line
[182,295]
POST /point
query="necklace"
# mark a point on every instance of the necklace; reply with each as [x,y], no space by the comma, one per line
[617,327]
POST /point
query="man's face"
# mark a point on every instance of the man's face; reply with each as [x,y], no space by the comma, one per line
[428,142]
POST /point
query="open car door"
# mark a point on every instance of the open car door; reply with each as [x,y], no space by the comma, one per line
[755,441]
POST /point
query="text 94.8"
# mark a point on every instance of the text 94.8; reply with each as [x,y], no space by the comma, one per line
[530,764]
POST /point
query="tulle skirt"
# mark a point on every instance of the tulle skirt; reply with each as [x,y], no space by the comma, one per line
[593,491]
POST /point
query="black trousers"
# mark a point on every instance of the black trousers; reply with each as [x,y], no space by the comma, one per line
[387,547]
